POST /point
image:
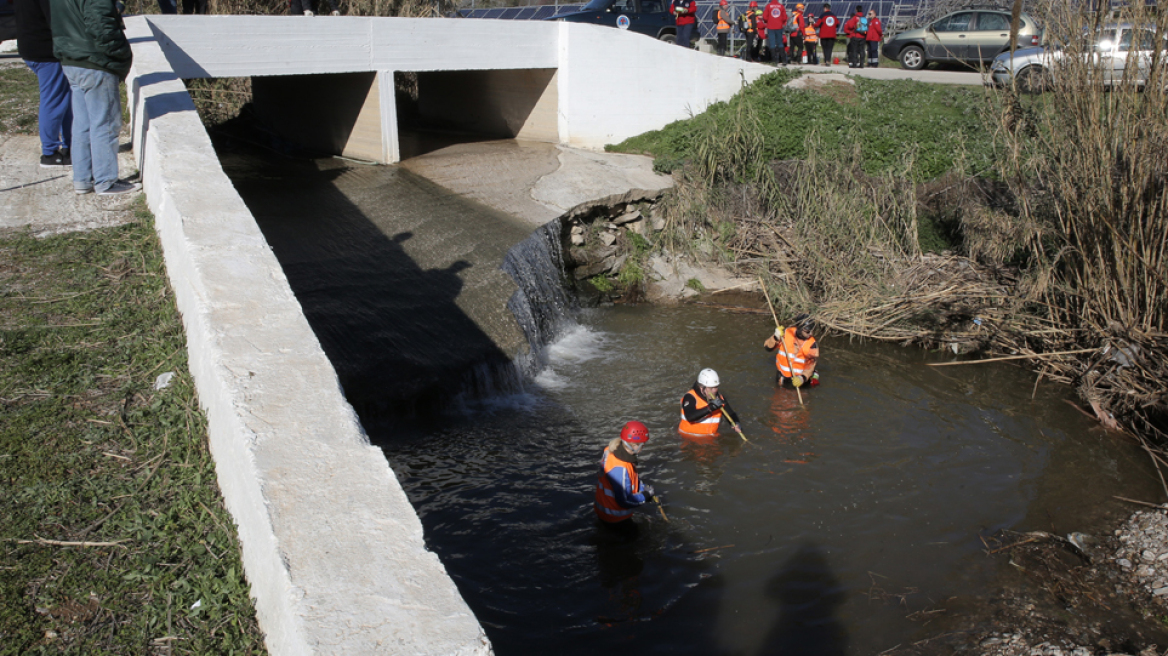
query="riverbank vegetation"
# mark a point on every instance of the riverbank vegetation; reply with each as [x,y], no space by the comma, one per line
[1046,215]
[114,539]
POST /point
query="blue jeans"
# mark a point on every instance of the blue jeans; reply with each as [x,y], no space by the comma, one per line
[97,120]
[684,32]
[775,45]
[55,118]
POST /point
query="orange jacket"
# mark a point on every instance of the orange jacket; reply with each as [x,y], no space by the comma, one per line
[706,426]
[618,488]
[800,354]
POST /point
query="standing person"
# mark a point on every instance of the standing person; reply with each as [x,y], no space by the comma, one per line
[796,352]
[194,6]
[874,38]
[856,28]
[686,13]
[618,486]
[810,39]
[725,20]
[702,407]
[34,42]
[828,26]
[746,27]
[775,17]
[89,38]
[761,53]
[306,7]
[796,29]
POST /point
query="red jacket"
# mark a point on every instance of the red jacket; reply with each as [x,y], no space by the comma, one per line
[689,10]
[827,25]
[851,25]
[776,15]
[875,30]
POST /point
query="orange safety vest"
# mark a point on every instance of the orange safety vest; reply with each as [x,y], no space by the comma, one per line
[798,355]
[809,35]
[706,426]
[606,507]
[723,24]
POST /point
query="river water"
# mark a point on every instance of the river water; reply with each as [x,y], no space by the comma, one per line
[840,526]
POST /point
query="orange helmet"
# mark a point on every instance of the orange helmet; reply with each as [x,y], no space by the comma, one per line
[635,432]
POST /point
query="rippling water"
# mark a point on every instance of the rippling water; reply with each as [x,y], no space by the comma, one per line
[837,520]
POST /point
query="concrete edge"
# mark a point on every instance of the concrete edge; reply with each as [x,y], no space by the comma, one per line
[289,470]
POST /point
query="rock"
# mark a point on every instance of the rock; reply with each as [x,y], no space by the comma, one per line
[628,217]
[593,269]
[577,229]
[1160,592]
[577,239]
[617,264]
[1122,562]
[657,221]
[607,238]
[1148,555]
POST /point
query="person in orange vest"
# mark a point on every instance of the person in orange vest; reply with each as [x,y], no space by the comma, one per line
[725,20]
[702,407]
[796,39]
[686,14]
[760,36]
[796,353]
[746,25]
[618,487]
[810,39]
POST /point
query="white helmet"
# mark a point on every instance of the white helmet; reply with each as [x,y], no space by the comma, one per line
[708,378]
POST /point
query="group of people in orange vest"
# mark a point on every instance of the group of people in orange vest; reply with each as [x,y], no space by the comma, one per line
[619,488]
[795,37]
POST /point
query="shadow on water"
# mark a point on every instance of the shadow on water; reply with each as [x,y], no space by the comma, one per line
[809,595]
[392,326]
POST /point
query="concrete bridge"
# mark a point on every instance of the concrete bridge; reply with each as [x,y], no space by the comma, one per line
[331,546]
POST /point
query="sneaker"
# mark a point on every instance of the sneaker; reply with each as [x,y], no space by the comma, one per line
[82,192]
[119,187]
[58,159]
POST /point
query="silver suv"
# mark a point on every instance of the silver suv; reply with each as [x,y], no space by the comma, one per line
[970,36]
[1110,49]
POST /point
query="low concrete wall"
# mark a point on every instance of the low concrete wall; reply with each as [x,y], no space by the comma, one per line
[331,546]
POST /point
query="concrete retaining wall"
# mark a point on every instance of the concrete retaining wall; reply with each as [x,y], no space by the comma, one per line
[331,546]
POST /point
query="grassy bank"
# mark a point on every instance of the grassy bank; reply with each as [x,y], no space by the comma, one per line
[18,99]
[114,536]
[888,120]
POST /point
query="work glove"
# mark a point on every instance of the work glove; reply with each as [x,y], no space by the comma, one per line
[647,490]
[716,403]
[797,381]
[779,330]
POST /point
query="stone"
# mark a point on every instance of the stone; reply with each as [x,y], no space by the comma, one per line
[628,217]
[577,229]
[610,226]
[1161,592]
[577,239]
[657,222]
[1124,563]
[607,238]
[1148,555]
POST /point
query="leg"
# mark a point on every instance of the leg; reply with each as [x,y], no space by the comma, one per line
[874,54]
[167,7]
[95,93]
[55,117]
[683,34]
[82,160]
[722,44]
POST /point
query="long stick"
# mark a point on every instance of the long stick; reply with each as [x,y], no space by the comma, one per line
[730,419]
[657,501]
[1013,357]
[782,339]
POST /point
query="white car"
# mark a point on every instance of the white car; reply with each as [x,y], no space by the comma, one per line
[1032,68]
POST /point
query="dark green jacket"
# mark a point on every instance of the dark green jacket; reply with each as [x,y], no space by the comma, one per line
[91,34]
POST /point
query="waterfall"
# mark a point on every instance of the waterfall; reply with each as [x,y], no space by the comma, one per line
[544,305]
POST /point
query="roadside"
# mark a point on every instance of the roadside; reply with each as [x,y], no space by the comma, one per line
[115,537]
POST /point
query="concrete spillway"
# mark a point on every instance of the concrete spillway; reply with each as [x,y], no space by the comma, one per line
[331,546]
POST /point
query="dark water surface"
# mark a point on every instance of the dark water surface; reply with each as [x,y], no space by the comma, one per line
[873,491]
[840,519]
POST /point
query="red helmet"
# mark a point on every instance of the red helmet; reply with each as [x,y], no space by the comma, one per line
[635,432]
[753,4]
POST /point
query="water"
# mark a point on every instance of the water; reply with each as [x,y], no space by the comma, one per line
[822,535]
[873,491]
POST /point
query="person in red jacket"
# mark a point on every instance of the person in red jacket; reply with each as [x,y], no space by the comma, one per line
[686,13]
[874,38]
[747,26]
[760,31]
[828,26]
[775,16]
[856,28]
[796,39]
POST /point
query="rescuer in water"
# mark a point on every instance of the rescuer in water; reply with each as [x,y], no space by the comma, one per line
[618,487]
[702,407]
[795,353]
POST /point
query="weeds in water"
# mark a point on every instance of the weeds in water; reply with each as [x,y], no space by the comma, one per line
[91,453]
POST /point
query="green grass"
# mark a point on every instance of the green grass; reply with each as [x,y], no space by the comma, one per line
[19,100]
[91,452]
[890,119]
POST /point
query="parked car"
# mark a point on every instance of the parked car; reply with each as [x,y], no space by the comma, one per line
[971,37]
[650,17]
[1112,47]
